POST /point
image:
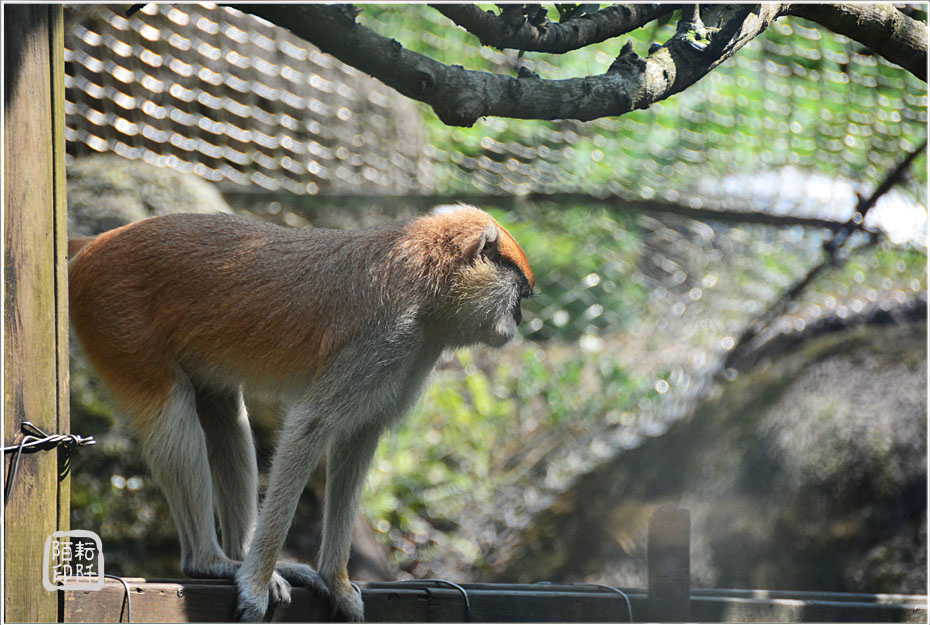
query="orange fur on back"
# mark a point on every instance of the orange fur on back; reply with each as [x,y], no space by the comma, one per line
[76,244]
[228,299]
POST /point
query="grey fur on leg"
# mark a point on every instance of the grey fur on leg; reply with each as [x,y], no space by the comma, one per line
[231,450]
[346,605]
[301,445]
[348,456]
[233,466]
[175,447]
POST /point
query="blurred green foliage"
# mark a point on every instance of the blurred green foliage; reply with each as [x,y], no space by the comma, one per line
[463,442]
[572,248]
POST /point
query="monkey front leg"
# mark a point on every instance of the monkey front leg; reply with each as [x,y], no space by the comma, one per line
[301,445]
[348,458]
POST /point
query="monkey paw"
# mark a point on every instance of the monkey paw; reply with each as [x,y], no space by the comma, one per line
[303,576]
[252,605]
[346,604]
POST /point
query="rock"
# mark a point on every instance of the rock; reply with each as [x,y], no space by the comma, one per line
[105,192]
[806,472]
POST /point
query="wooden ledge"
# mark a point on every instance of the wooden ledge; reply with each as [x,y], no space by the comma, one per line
[183,601]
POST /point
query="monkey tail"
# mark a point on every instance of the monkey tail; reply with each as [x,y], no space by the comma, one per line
[77,244]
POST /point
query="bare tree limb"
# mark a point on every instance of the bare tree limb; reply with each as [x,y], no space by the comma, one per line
[750,339]
[577,32]
[460,97]
[880,26]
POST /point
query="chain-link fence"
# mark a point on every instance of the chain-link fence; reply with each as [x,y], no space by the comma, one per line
[252,104]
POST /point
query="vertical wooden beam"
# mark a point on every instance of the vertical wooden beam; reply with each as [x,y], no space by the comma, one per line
[35,296]
[668,551]
[59,182]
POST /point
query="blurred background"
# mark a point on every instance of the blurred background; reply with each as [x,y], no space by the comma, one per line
[657,239]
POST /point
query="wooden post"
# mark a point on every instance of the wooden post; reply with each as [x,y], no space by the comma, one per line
[668,551]
[35,297]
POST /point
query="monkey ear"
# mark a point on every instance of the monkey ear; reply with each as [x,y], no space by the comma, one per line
[487,243]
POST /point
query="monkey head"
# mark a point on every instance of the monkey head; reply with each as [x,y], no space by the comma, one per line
[489,276]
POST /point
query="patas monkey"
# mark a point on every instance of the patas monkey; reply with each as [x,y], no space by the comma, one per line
[178,313]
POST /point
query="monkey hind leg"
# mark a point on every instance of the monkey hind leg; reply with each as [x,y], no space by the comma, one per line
[174,445]
[233,465]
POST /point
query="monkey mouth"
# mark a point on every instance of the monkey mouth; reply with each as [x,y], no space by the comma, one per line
[505,328]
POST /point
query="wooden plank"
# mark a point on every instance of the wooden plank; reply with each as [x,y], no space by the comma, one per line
[59,186]
[668,551]
[33,292]
[213,601]
[519,603]
[397,602]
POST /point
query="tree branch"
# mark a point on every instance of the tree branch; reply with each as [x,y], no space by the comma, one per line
[460,97]
[556,38]
[880,26]
[750,339]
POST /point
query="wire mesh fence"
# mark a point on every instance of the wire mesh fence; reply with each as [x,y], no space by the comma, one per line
[251,103]
[223,95]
